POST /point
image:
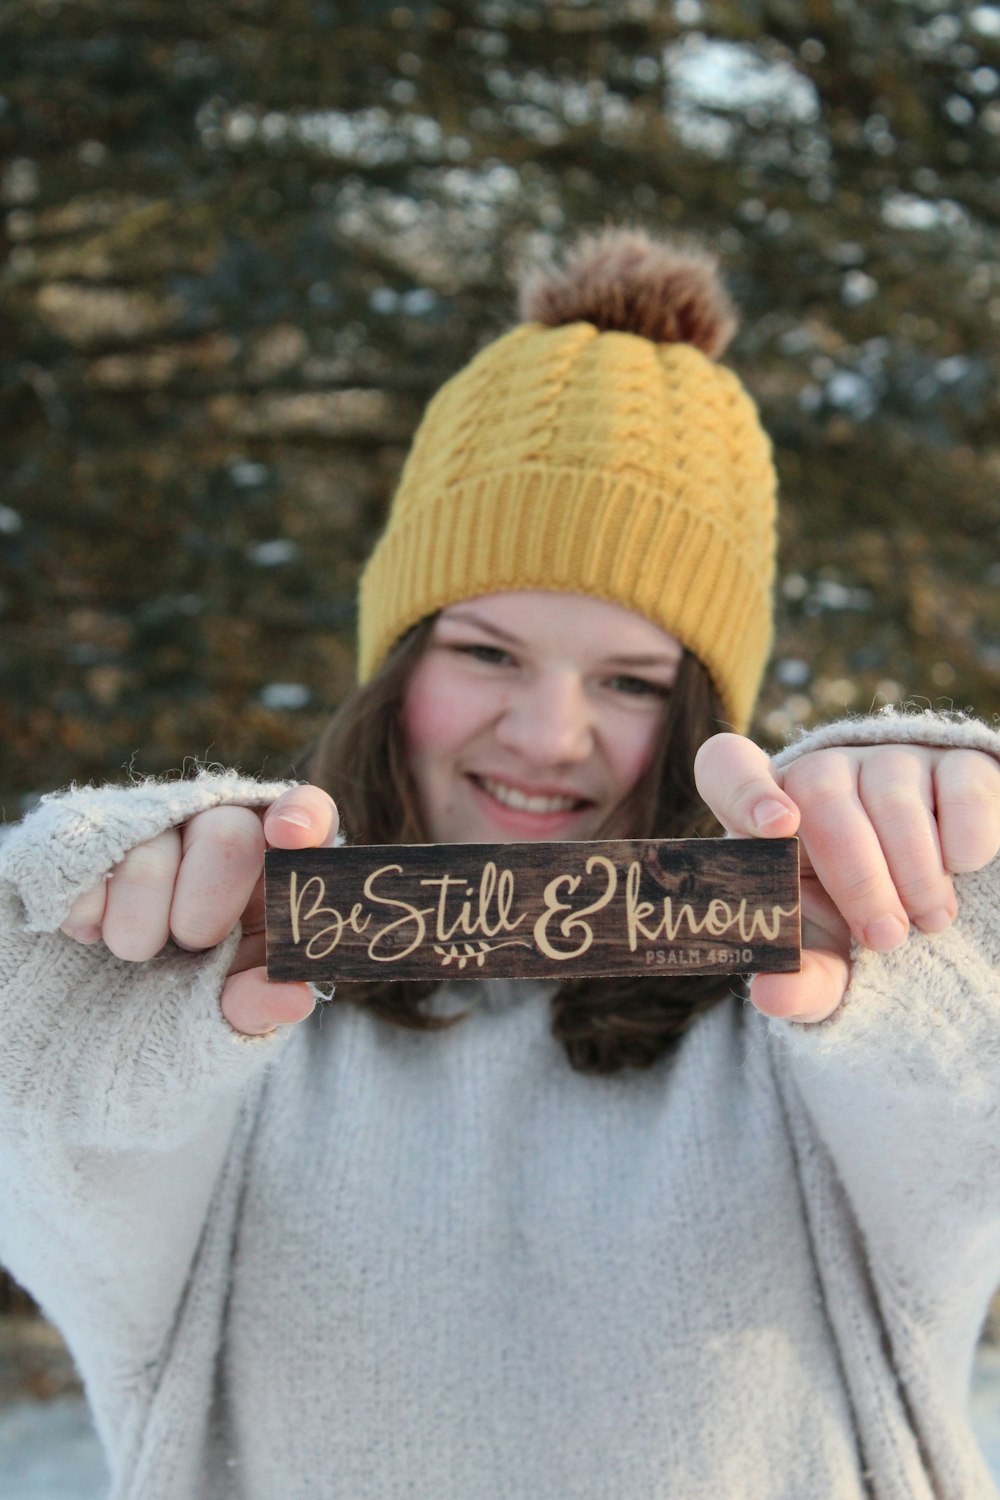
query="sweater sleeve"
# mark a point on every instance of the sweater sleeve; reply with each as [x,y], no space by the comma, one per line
[902,1084]
[120,1083]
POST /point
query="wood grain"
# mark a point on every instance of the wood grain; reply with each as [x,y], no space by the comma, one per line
[628,906]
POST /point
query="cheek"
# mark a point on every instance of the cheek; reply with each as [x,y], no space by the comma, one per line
[632,748]
[434,712]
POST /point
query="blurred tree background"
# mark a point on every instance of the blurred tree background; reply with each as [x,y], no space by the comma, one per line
[247,239]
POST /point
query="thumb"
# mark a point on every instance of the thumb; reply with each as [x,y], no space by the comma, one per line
[807,997]
[305,817]
[254,1007]
[816,991]
[734,778]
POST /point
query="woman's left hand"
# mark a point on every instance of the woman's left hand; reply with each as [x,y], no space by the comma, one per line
[882,829]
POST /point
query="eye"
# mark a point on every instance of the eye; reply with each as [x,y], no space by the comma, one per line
[494,656]
[637,687]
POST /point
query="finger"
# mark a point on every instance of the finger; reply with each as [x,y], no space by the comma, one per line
[808,997]
[84,918]
[251,951]
[818,989]
[967,798]
[897,793]
[843,849]
[223,855]
[734,777]
[136,917]
[304,818]
[254,1007]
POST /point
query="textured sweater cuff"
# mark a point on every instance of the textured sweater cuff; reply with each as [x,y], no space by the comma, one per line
[925,1013]
[73,838]
[116,1052]
[903,725]
[929,1007]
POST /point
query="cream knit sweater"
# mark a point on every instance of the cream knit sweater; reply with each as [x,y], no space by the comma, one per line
[358,1262]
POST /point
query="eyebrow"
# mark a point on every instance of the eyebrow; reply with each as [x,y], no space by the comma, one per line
[469,617]
[665,660]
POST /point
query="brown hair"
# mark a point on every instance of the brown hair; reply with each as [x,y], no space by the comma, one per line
[604,1024]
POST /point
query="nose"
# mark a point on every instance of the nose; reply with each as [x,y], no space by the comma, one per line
[548,721]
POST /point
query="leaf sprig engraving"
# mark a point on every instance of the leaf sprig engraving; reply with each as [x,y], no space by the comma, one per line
[462,954]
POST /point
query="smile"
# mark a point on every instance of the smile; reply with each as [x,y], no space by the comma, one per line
[522,802]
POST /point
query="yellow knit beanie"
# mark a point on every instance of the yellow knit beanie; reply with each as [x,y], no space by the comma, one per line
[605,455]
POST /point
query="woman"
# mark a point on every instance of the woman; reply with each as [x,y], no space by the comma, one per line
[302,1252]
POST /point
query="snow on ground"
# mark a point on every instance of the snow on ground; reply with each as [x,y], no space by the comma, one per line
[986,1404]
[49,1451]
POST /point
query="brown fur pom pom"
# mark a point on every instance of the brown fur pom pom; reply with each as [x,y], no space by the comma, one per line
[663,290]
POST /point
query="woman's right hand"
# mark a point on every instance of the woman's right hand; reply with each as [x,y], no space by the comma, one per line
[194,884]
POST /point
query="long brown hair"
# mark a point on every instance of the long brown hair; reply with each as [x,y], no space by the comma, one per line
[604,1024]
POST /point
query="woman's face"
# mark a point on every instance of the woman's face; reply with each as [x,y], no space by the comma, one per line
[532,715]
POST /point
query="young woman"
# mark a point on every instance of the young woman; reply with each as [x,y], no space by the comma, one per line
[487,1239]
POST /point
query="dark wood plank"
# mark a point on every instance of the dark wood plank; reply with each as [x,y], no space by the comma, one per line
[628,906]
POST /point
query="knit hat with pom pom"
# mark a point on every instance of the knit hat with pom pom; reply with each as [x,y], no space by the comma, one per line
[595,449]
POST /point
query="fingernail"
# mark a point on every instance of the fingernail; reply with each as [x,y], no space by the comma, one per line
[935,921]
[768,812]
[885,933]
[295,818]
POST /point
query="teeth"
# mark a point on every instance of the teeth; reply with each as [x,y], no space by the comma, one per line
[512,798]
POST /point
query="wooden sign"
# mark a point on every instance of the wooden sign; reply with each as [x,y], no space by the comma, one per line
[629,906]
